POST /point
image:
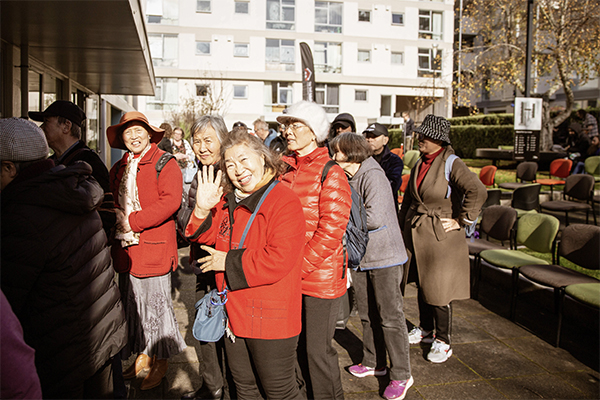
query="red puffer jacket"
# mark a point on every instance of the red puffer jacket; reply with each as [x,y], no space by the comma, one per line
[326,210]
[156,254]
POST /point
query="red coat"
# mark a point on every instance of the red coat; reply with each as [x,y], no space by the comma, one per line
[156,254]
[265,298]
[326,210]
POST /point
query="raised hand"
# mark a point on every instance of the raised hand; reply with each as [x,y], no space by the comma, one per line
[213,262]
[209,191]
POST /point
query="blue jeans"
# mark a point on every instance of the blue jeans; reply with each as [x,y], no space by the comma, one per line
[380,306]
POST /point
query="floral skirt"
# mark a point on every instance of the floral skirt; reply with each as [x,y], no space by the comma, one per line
[153,329]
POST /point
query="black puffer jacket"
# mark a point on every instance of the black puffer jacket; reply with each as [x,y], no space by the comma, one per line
[57,274]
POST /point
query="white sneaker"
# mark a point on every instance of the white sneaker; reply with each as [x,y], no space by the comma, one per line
[439,352]
[416,335]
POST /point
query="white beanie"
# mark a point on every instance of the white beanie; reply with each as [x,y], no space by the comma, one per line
[310,114]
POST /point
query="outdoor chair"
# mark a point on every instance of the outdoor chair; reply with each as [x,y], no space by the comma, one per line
[584,293]
[487,175]
[537,232]
[560,168]
[579,244]
[410,159]
[526,199]
[497,222]
[591,165]
[578,187]
[525,173]
[398,151]
[403,186]
[493,198]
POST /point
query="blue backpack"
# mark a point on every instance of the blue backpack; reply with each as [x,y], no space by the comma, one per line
[357,234]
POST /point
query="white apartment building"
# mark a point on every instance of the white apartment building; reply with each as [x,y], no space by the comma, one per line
[373,59]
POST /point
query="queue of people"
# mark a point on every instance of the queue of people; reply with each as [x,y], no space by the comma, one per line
[265,230]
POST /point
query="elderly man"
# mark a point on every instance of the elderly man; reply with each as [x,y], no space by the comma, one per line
[56,269]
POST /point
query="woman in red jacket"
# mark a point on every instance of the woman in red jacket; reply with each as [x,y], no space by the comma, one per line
[145,244]
[326,209]
[263,277]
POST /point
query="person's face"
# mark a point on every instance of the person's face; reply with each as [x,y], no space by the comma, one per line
[262,133]
[178,134]
[377,142]
[136,137]
[340,129]
[300,138]
[206,146]
[245,168]
[595,141]
[428,146]
[54,130]
[8,173]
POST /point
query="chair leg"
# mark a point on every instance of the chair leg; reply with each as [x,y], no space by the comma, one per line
[566,218]
[515,293]
[477,277]
[561,302]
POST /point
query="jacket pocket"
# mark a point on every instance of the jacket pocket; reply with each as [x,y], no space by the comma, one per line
[378,248]
[155,252]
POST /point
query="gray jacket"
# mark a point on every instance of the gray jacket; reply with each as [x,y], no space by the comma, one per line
[386,247]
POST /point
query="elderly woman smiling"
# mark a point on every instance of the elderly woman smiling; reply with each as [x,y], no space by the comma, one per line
[145,244]
[263,277]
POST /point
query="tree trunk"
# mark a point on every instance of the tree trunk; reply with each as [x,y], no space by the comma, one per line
[546,140]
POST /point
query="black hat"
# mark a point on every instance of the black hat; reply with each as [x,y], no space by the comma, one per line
[60,108]
[376,129]
[240,123]
[344,120]
[436,128]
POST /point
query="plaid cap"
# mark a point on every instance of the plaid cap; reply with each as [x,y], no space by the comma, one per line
[60,108]
[436,128]
[21,140]
[376,129]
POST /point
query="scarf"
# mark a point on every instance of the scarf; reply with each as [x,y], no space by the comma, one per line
[128,198]
[425,165]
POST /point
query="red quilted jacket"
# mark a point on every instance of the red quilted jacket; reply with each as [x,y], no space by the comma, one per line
[326,210]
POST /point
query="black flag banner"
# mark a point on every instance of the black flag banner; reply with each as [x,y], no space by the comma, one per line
[308,73]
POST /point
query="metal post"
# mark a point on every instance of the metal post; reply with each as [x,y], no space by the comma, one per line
[529,47]
[434,64]
[459,53]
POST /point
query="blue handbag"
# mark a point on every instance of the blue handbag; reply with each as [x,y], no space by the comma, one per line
[211,317]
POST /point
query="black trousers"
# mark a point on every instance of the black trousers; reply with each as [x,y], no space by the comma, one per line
[317,357]
[270,364]
[98,386]
[436,318]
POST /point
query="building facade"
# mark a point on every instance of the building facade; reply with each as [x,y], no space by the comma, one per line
[372,59]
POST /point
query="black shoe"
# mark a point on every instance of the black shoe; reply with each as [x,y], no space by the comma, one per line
[203,393]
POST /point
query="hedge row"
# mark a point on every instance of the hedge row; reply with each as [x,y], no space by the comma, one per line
[466,139]
[483,119]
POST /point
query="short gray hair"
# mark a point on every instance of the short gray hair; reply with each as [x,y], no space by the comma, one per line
[262,124]
[214,121]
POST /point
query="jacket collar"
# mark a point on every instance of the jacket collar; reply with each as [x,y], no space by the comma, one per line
[249,202]
[294,160]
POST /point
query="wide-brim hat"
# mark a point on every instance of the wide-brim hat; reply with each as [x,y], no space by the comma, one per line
[436,128]
[114,132]
[60,108]
[310,114]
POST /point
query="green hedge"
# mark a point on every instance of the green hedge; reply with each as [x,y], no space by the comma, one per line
[465,139]
[396,138]
[483,119]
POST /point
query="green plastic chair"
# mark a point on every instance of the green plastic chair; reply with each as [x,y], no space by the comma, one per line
[579,244]
[592,167]
[410,159]
[537,232]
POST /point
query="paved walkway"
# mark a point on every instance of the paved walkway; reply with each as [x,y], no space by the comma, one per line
[493,357]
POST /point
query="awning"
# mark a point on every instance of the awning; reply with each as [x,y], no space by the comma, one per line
[100,44]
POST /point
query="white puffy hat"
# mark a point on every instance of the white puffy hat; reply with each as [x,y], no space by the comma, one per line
[310,114]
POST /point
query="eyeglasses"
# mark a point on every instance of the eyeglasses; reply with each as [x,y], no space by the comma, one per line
[294,127]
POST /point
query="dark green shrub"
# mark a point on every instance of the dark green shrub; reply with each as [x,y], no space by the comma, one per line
[465,139]
[396,138]
[483,119]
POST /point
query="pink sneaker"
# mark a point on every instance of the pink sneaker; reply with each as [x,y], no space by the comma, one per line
[398,389]
[361,371]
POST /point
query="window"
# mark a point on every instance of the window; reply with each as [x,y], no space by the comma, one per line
[360,95]
[281,14]
[203,48]
[240,91]
[397,57]
[329,96]
[165,95]
[328,57]
[280,55]
[242,7]
[397,19]
[430,63]
[203,6]
[386,106]
[241,50]
[430,24]
[162,12]
[202,90]
[279,93]
[364,55]
[364,16]
[163,49]
[328,17]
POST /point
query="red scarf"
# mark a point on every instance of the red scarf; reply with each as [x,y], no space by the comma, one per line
[426,162]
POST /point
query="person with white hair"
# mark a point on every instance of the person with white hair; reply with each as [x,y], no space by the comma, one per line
[326,210]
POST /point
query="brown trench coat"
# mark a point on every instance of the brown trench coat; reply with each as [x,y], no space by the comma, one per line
[441,258]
